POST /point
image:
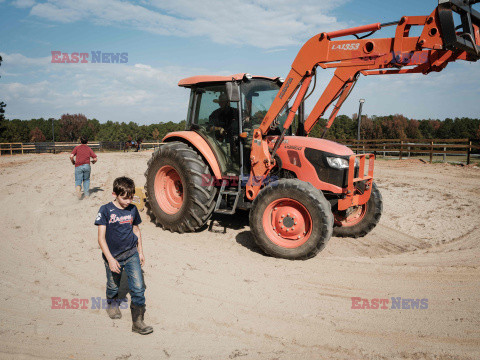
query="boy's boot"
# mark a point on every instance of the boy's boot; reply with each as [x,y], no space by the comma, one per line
[138,325]
[78,191]
[113,309]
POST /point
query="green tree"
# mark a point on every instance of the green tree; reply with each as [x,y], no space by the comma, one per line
[2,112]
[445,131]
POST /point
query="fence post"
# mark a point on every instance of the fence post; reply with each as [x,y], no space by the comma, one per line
[444,154]
[22,148]
[431,152]
[11,152]
[401,150]
[384,151]
[468,151]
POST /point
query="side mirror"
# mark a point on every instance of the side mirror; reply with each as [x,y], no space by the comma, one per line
[233,91]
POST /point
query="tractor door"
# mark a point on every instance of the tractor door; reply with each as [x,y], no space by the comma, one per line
[257,95]
[215,118]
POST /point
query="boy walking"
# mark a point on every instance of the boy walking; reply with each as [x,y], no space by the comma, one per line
[120,239]
[83,153]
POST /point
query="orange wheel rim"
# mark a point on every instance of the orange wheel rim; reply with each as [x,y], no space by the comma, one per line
[287,223]
[168,189]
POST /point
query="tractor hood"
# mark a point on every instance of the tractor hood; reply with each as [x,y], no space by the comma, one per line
[300,143]
[308,158]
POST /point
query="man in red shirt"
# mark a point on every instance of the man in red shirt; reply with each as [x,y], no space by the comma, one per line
[82,154]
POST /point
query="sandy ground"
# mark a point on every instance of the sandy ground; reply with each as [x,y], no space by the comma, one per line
[212,295]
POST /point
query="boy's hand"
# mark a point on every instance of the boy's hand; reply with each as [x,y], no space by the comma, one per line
[114,265]
[142,259]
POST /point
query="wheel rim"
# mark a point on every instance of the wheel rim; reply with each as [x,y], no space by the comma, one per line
[353,217]
[168,189]
[287,223]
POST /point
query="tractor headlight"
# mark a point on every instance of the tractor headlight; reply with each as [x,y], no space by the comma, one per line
[337,163]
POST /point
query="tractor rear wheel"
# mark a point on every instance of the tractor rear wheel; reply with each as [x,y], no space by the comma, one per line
[358,221]
[180,197]
[291,219]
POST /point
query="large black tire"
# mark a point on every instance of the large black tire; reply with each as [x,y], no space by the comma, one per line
[198,200]
[290,203]
[369,215]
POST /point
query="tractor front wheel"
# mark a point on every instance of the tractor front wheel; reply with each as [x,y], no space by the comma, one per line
[358,221]
[180,195]
[291,219]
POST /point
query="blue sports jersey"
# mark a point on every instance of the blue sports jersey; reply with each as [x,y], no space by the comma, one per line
[119,233]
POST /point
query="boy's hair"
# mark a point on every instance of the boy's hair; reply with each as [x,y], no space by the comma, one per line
[83,140]
[124,186]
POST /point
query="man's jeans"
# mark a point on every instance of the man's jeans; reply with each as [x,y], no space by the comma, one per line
[133,269]
[82,174]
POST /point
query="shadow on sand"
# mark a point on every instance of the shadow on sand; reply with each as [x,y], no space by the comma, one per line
[220,223]
[95,190]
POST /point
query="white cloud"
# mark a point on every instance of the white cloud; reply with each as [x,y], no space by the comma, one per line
[23,3]
[23,61]
[118,92]
[261,23]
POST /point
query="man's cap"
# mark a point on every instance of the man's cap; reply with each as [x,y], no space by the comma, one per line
[221,98]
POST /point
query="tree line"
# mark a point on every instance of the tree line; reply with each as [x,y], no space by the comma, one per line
[70,127]
[399,127]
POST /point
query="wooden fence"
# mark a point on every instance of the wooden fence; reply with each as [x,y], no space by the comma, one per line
[393,147]
[406,147]
[51,147]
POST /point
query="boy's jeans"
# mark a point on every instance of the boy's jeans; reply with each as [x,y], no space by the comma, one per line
[82,173]
[133,269]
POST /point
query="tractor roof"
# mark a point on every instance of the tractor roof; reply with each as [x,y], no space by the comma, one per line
[194,80]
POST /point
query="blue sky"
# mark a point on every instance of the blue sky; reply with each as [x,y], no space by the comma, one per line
[167,40]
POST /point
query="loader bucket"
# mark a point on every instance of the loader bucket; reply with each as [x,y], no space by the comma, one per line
[464,36]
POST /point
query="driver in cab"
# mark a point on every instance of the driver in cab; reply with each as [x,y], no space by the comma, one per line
[223,119]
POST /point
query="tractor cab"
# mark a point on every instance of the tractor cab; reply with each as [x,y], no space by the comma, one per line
[225,110]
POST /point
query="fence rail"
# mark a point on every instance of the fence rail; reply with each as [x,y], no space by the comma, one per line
[407,147]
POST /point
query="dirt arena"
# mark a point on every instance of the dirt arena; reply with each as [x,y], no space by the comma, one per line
[214,295]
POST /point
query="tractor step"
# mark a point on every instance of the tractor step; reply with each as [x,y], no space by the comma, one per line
[224,211]
[230,193]
[223,195]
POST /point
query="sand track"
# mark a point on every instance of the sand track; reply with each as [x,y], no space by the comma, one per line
[214,295]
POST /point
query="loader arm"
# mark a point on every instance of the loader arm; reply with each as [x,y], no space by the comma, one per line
[440,43]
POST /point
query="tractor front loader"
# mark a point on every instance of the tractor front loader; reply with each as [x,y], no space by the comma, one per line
[244,148]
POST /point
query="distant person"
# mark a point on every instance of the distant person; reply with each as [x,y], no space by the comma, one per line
[82,154]
[120,239]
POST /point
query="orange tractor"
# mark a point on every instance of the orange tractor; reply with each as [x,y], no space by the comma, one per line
[244,148]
